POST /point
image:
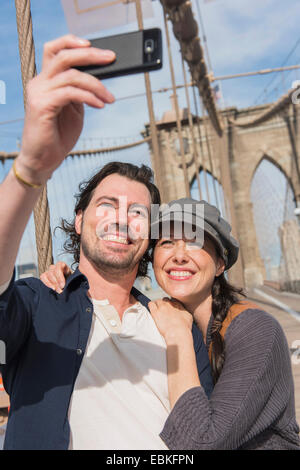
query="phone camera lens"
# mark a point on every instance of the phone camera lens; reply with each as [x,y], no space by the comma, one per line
[149,46]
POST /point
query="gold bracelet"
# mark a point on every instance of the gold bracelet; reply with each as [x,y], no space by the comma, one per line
[31,185]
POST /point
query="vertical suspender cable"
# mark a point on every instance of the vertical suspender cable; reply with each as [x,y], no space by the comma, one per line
[153,129]
[28,68]
[204,35]
[179,128]
[201,145]
[202,107]
[293,142]
[209,152]
[191,126]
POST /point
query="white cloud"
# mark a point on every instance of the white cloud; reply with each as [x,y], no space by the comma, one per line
[242,32]
[242,35]
[246,35]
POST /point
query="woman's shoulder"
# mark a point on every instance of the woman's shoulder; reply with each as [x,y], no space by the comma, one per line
[256,339]
[249,319]
[241,307]
[248,316]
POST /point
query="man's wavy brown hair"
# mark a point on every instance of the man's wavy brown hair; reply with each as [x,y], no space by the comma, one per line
[142,174]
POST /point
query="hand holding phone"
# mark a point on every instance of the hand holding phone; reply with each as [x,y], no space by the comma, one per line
[136,52]
[55,105]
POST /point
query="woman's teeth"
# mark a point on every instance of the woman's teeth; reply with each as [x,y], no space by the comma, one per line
[115,238]
[180,274]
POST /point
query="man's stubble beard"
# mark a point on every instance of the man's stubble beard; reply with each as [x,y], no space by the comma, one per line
[108,261]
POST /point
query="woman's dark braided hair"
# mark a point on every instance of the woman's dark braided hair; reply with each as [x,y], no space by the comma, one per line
[224,295]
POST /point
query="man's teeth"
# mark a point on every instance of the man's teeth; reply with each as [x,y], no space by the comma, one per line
[115,238]
[180,273]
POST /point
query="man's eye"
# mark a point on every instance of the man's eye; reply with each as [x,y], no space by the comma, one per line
[138,213]
[104,209]
[106,204]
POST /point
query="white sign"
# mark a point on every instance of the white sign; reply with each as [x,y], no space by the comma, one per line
[2,92]
[89,16]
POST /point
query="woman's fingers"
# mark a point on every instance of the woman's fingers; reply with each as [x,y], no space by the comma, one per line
[83,81]
[49,278]
[62,271]
[55,277]
[170,314]
[45,280]
[67,271]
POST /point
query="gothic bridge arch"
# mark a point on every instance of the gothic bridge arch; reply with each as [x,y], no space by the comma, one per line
[246,148]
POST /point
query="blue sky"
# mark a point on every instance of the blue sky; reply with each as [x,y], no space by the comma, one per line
[242,35]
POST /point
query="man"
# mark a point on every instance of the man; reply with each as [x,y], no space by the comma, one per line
[85,369]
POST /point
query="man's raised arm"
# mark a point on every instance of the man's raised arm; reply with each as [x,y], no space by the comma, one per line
[53,123]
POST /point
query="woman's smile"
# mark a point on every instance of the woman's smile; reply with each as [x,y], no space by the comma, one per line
[179,274]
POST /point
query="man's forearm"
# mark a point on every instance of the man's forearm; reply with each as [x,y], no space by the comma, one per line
[17,203]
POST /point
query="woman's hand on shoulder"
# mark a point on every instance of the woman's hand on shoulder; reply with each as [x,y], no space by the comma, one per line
[55,277]
[172,319]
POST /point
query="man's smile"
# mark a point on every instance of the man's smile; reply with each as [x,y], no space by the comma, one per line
[116,239]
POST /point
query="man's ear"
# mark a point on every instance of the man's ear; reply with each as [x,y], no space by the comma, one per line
[78,222]
[220,267]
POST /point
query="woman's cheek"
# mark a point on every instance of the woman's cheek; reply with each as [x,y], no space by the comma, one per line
[159,274]
[158,259]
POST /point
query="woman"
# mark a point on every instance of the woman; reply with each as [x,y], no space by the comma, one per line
[252,404]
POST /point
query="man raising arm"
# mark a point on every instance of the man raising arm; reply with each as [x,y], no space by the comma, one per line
[86,369]
[53,123]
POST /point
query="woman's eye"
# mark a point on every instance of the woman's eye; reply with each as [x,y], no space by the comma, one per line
[194,245]
[166,243]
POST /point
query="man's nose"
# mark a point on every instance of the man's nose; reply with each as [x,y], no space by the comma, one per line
[122,216]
